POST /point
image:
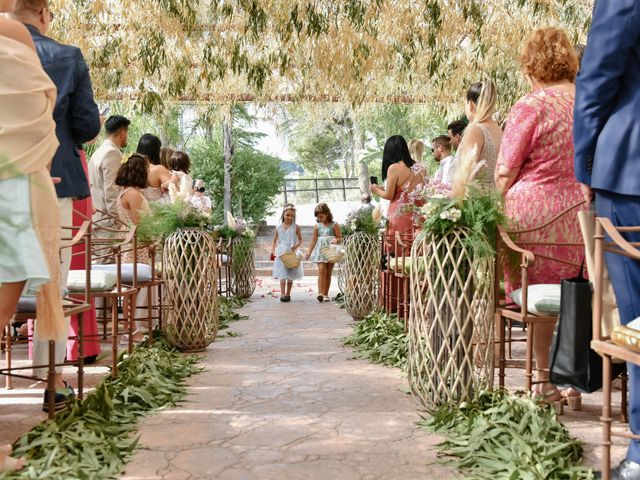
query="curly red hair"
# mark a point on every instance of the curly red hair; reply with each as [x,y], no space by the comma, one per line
[549,56]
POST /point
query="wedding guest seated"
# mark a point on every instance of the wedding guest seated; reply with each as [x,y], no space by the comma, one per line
[159,176]
[165,156]
[200,199]
[180,164]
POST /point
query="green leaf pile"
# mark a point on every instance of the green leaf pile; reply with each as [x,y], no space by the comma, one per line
[503,436]
[93,439]
[227,311]
[380,338]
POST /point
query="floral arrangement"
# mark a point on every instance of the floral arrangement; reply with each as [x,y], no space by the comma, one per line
[464,206]
[362,220]
[163,219]
[235,227]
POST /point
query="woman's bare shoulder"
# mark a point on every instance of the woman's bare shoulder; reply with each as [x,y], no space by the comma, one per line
[16,31]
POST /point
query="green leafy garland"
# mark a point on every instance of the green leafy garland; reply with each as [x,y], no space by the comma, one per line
[505,436]
[93,439]
[380,338]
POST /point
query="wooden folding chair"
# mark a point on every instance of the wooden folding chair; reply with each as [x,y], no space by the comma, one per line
[76,305]
[617,244]
[509,243]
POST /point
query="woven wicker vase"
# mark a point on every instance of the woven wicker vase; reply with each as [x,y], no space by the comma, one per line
[450,321]
[361,265]
[243,267]
[191,287]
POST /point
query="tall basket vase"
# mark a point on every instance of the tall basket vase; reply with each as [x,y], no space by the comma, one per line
[191,276]
[451,320]
[243,267]
[361,275]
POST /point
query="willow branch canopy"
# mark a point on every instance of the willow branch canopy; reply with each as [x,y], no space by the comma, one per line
[352,51]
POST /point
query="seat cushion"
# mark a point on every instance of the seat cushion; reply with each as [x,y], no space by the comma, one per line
[100,280]
[27,303]
[543,299]
[144,271]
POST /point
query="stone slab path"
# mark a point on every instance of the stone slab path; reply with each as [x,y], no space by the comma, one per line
[285,400]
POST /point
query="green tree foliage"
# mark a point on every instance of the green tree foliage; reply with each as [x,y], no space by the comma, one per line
[256,177]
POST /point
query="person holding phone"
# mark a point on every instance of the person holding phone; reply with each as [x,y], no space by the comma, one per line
[403,180]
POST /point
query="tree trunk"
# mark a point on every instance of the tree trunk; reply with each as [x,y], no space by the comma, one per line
[227,140]
[363,175]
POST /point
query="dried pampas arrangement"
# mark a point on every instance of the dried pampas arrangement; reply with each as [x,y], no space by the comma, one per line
[468,168]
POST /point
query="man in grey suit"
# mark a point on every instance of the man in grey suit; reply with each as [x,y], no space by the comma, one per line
[103,169]
[607,160]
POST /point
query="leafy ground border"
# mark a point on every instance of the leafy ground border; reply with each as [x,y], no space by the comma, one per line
[95,439]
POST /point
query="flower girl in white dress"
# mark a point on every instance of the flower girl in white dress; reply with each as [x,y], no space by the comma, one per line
[287,238]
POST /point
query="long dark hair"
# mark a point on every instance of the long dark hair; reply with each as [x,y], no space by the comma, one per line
[396,150]
[150,145]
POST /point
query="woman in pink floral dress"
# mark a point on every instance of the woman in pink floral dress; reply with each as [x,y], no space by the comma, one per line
[535,172]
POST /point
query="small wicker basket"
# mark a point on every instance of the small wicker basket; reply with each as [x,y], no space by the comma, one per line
[290,260]
[332,254]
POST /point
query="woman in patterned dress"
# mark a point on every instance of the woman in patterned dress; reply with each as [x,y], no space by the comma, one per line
[535,172]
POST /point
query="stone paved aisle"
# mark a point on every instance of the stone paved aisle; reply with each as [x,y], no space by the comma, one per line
[285,400]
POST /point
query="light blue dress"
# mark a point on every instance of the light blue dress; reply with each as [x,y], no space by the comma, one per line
[21,258]
[286,239]
[325,235]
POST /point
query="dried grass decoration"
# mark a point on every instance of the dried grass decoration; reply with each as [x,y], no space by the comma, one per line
[361,274]
[191,273]
[452,279]
[290,260]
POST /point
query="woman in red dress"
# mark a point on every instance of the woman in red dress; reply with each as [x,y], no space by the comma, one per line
[404,179]
[82,208]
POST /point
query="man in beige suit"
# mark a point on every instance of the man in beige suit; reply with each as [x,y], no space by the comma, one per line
[103,169]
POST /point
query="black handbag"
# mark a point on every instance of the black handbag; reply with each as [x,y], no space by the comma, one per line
[573,362]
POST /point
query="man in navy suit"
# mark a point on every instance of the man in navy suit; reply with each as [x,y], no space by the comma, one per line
[77,121]
[607,159]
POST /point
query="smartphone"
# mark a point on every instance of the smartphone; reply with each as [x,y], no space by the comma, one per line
[104,112]
[374,180]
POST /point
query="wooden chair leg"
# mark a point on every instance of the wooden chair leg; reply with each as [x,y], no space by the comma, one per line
[160,307]
[7,354]
[129,309]
[80,355]
[624,392]
[150,314]
[502,361]
[51,381]
[529,361]
[114,339]
[606,417]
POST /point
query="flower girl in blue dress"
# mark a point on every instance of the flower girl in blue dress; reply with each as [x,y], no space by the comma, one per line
[287,239]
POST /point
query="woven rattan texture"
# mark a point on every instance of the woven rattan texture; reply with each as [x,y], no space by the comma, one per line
[191,275]
[243,267]
[451,322]
[361,274]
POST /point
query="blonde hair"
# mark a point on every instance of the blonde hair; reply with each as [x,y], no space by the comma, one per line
[484,95]
[416,149]
[288,206]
